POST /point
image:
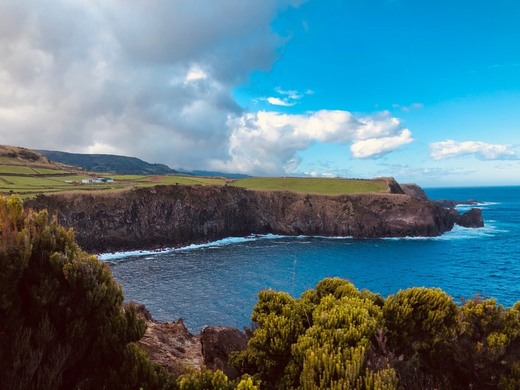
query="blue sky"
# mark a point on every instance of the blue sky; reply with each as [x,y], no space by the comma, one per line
[446,70]
[425,91]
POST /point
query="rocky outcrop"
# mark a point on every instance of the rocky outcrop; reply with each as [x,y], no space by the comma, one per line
[471,219]
[169,216]
[171,345]
[217,344]
[393,186]
[414,190]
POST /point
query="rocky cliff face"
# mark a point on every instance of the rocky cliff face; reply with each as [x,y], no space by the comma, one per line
[414,190]
[167,216]
[171,345]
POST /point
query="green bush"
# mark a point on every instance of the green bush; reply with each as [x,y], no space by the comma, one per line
[317,341]
[63,325]
[338,337]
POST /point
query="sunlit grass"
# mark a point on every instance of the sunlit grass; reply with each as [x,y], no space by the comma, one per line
[16,170]
[47,171]
[324,186]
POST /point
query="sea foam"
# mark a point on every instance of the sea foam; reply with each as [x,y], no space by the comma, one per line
[218,243]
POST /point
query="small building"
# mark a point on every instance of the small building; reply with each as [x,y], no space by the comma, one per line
[98,180]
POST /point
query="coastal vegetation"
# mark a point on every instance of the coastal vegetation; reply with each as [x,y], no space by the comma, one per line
[336,336]
[63,323]
[64,326]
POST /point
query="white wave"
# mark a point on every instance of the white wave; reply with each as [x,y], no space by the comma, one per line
[120,255]
[481,205]
[212,244]
[462,233]
[457,233]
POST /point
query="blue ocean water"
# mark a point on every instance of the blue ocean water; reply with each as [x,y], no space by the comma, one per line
[218,283]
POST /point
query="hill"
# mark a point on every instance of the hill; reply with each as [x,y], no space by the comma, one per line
[18,156]
[108,163]
[123,165]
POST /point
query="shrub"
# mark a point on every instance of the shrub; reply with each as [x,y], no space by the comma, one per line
[63,323]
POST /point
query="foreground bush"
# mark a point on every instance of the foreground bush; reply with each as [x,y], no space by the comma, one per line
[338,337]
[62,322]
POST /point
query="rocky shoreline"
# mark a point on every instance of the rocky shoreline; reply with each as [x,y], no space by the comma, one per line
[173,216]
[171,345]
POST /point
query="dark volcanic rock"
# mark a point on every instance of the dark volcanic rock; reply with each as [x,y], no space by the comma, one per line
[471,219]
[168,216]
[415,191]
[217,343]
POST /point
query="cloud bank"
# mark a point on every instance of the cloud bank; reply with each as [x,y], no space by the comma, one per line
[154,79]
[268,142]
[481,150]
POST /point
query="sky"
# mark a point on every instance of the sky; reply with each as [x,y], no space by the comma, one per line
[424,91]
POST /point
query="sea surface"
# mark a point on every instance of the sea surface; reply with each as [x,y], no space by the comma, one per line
[217,283]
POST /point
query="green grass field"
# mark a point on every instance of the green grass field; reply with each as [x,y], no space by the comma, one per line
[17,170]
[323,186]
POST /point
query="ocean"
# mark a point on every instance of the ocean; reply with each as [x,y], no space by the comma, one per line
[217,283]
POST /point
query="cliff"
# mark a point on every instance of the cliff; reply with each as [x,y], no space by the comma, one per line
[168,216]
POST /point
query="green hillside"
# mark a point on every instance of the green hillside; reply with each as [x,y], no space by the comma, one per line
[108,163]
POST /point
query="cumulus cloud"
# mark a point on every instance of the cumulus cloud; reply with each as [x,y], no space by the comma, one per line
[152,79]
[268,142]
[373,147]
[481,150]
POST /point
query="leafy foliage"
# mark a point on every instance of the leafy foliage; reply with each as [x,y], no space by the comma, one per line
[63,323]
[338,337]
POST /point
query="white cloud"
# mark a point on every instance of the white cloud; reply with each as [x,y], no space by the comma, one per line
[374,147]
[484,151]
[98,148]
[289,98]
[154,79]
[280,102]
[196,73]
[411,107]
[267,143]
